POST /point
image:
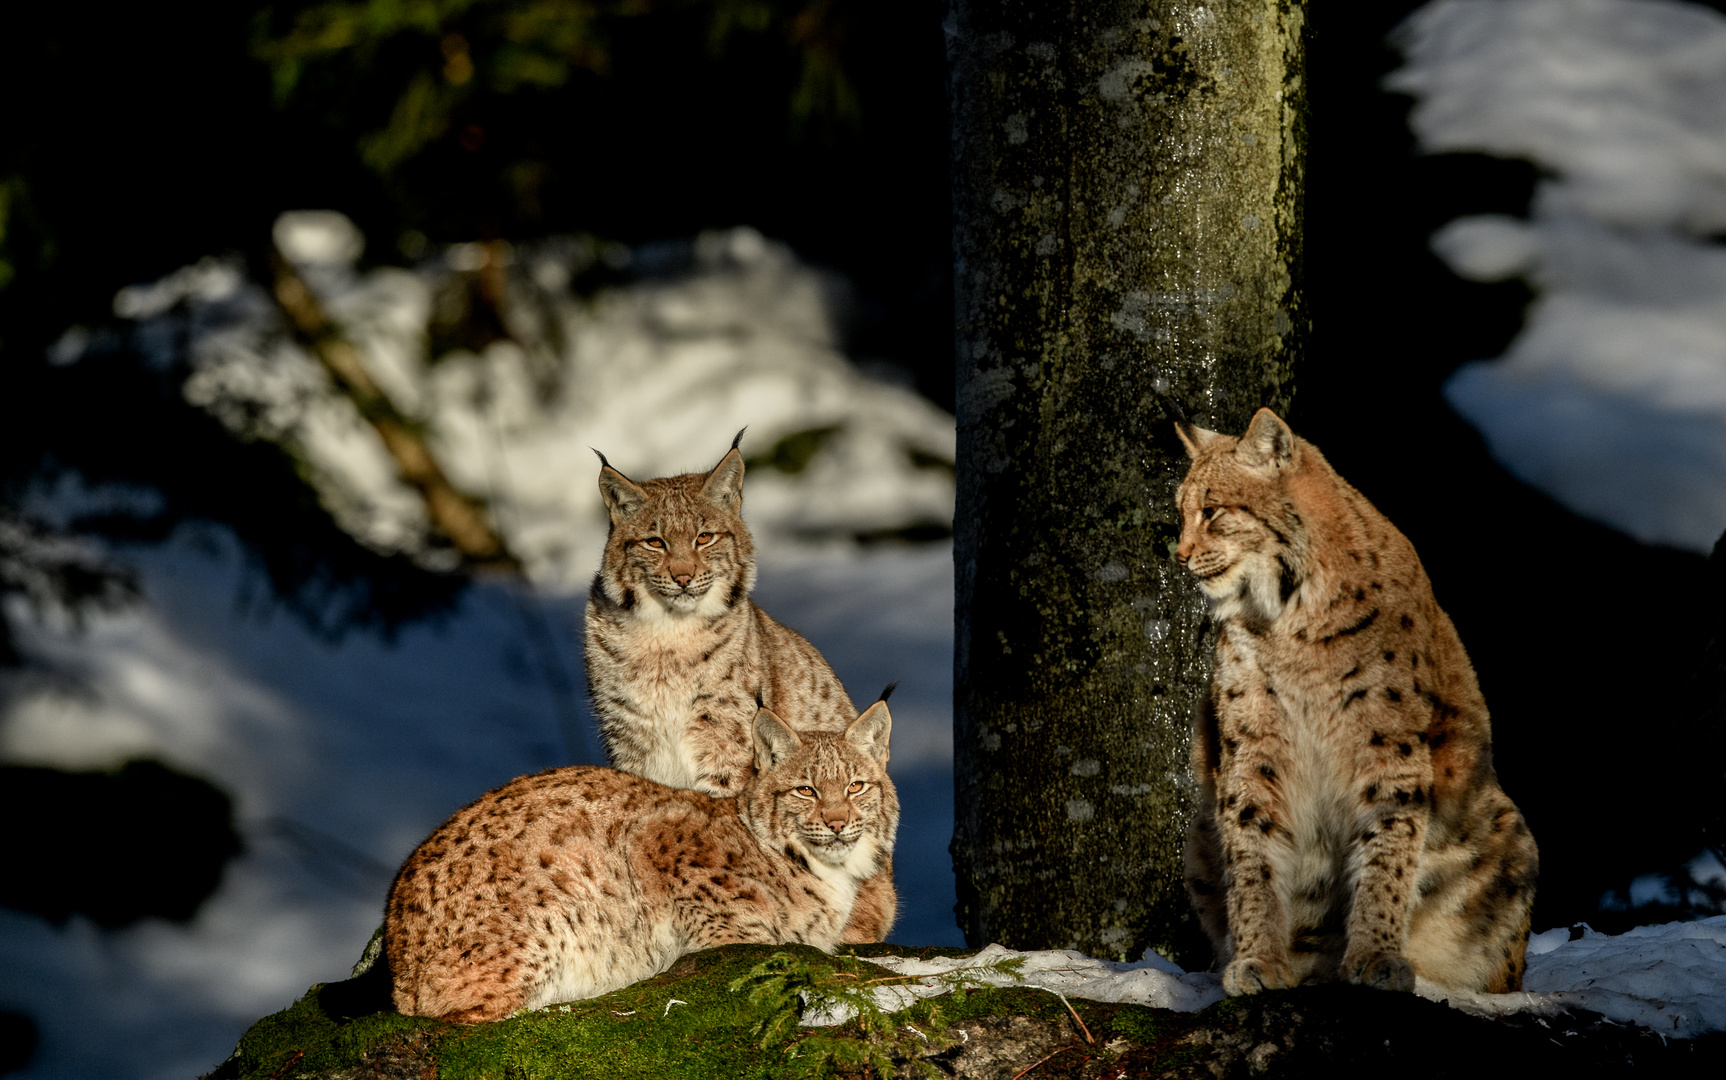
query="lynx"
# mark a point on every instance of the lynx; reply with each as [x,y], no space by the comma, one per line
[1350,824]
[678,655]
[580,880]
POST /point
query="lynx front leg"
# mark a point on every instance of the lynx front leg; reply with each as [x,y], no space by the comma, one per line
[1248,805]
[1385,862]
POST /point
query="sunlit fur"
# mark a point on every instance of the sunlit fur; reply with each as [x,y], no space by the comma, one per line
[1350,824]
[578,881]
[845,835]
[687,527]
[678,656]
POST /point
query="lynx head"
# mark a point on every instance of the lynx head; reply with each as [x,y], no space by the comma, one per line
[1240,534]
[678,544]
[823,797]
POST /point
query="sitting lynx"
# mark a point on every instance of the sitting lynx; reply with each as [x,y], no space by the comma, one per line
[678,655]
[1350,824]
[577,881]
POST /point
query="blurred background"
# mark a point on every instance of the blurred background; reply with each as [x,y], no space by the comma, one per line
[246,667]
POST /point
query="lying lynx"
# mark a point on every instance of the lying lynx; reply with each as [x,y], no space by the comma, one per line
[577,881]
[1350,825]
[678,655]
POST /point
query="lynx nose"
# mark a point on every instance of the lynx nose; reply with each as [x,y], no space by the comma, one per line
[837,822]
[682,580]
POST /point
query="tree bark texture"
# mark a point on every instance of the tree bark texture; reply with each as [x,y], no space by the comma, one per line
[1127,233]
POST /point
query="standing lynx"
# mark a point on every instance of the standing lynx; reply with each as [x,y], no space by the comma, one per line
[1350,824]
[678,656]
[577,881]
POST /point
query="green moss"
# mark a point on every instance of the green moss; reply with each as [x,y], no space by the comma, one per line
[989,1001]
[304,1038]
[684,1023]
[688,1022]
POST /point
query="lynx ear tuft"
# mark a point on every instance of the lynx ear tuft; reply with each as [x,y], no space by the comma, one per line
[870,731]
[1268,443]
[774,741]
[724,485]
[887,693]
[623,497]
[1195,438]
[739,438]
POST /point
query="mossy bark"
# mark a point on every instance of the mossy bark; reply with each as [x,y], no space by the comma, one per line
[1127,214]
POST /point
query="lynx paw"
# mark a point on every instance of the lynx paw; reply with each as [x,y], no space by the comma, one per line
[1250,974]
[1379,970]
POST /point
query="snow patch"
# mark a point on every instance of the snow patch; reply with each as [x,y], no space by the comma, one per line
[1612,399]
[1154,981]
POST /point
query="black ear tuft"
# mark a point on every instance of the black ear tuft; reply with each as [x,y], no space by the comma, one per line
[739,438]
[887,693]
[760,703]
[602,460]
[1172,407]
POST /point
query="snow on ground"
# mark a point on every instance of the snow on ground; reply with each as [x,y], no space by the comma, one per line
[1612,399]
[1671,978]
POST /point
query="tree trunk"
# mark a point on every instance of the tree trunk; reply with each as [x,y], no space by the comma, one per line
[1127,215]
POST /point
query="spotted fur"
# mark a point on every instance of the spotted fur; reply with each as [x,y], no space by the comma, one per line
[1350,823]
[678,656]
[577,881]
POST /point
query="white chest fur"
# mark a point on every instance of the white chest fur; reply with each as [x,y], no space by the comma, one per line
[670,667]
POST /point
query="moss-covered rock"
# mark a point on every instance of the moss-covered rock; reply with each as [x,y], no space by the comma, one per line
[702,1019]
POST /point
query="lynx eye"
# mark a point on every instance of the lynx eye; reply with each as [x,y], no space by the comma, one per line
[704,538]
[655,543]
[857,787]
[806,791]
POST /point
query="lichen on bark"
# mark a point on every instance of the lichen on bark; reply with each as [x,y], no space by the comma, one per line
[1127,223]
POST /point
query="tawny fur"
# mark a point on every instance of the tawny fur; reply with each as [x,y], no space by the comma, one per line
[1350,824]
[678,655]
[577,881]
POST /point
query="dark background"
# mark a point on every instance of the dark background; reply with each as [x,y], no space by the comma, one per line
[139,138]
